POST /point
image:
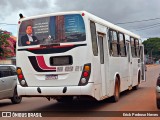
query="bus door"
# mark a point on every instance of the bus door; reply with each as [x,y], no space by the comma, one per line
[102,44]
[143,67]
[130,65]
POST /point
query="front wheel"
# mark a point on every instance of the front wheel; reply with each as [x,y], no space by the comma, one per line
[16,99]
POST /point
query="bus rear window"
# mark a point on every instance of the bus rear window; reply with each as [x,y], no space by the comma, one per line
[53,29]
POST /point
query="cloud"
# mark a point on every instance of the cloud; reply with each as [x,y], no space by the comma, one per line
[117,11]
[28,7]
[12,8]
[114,11]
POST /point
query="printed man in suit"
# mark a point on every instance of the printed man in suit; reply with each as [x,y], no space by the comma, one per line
[29,39]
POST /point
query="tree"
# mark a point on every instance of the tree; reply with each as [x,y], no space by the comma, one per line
[152,47]
[6,45]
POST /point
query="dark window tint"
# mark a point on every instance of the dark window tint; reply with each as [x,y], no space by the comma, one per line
[133,47]
[1,74]
[94,38]
[13,70]
[113,43]
[137,47]
[100,39]
[5,71]
[51,30]
[122,44]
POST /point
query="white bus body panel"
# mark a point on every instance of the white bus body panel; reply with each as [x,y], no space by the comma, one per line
[102,79]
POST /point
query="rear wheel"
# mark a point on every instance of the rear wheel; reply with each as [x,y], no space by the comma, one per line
[158,103]
[16,99]
[116,96]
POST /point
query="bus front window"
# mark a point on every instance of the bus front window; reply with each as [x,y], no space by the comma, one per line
[53,29]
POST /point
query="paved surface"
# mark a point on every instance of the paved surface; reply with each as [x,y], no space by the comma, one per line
[142,99]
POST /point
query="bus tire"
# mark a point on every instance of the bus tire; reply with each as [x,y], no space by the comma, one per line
[116,95]
[137,86]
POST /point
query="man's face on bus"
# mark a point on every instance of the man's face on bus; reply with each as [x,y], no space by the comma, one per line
[29,30]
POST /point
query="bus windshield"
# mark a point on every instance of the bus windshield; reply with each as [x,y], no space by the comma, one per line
[52,30]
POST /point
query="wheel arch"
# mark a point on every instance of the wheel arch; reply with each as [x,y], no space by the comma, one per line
[117,75]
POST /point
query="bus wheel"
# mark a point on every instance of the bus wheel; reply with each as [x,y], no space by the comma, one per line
[116,95]
[65,99]
[137,86]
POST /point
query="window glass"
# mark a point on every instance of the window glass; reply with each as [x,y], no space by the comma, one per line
[115,51]
[5,71]
[133,47]
[137,47]
[100,39]
[122,45]
[110,41]
[53,29]
[1,74]
[94,38]
[13,71]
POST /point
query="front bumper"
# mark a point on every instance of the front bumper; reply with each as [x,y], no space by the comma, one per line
[158,92]
[56,91]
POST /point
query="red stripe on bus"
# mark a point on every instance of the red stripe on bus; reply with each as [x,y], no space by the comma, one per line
[42,64]
[36,48]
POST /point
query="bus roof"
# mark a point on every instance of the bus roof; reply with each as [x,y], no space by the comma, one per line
[91,17]
[111,25]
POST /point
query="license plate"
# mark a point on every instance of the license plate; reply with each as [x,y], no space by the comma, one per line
[51,77]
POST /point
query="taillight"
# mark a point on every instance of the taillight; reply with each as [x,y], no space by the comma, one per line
[85,75]
[19,71]
[21,78]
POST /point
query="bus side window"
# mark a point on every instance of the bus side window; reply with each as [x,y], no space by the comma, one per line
[122,45]
[94,38]
[110,41]
[115,44]
[137,47]
[133,48]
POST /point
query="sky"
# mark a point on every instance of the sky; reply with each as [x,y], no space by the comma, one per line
[147,12]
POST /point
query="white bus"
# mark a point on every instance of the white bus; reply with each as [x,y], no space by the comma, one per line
[75,54]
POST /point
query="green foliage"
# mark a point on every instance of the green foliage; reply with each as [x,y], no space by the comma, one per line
[152,46]
[6,45]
